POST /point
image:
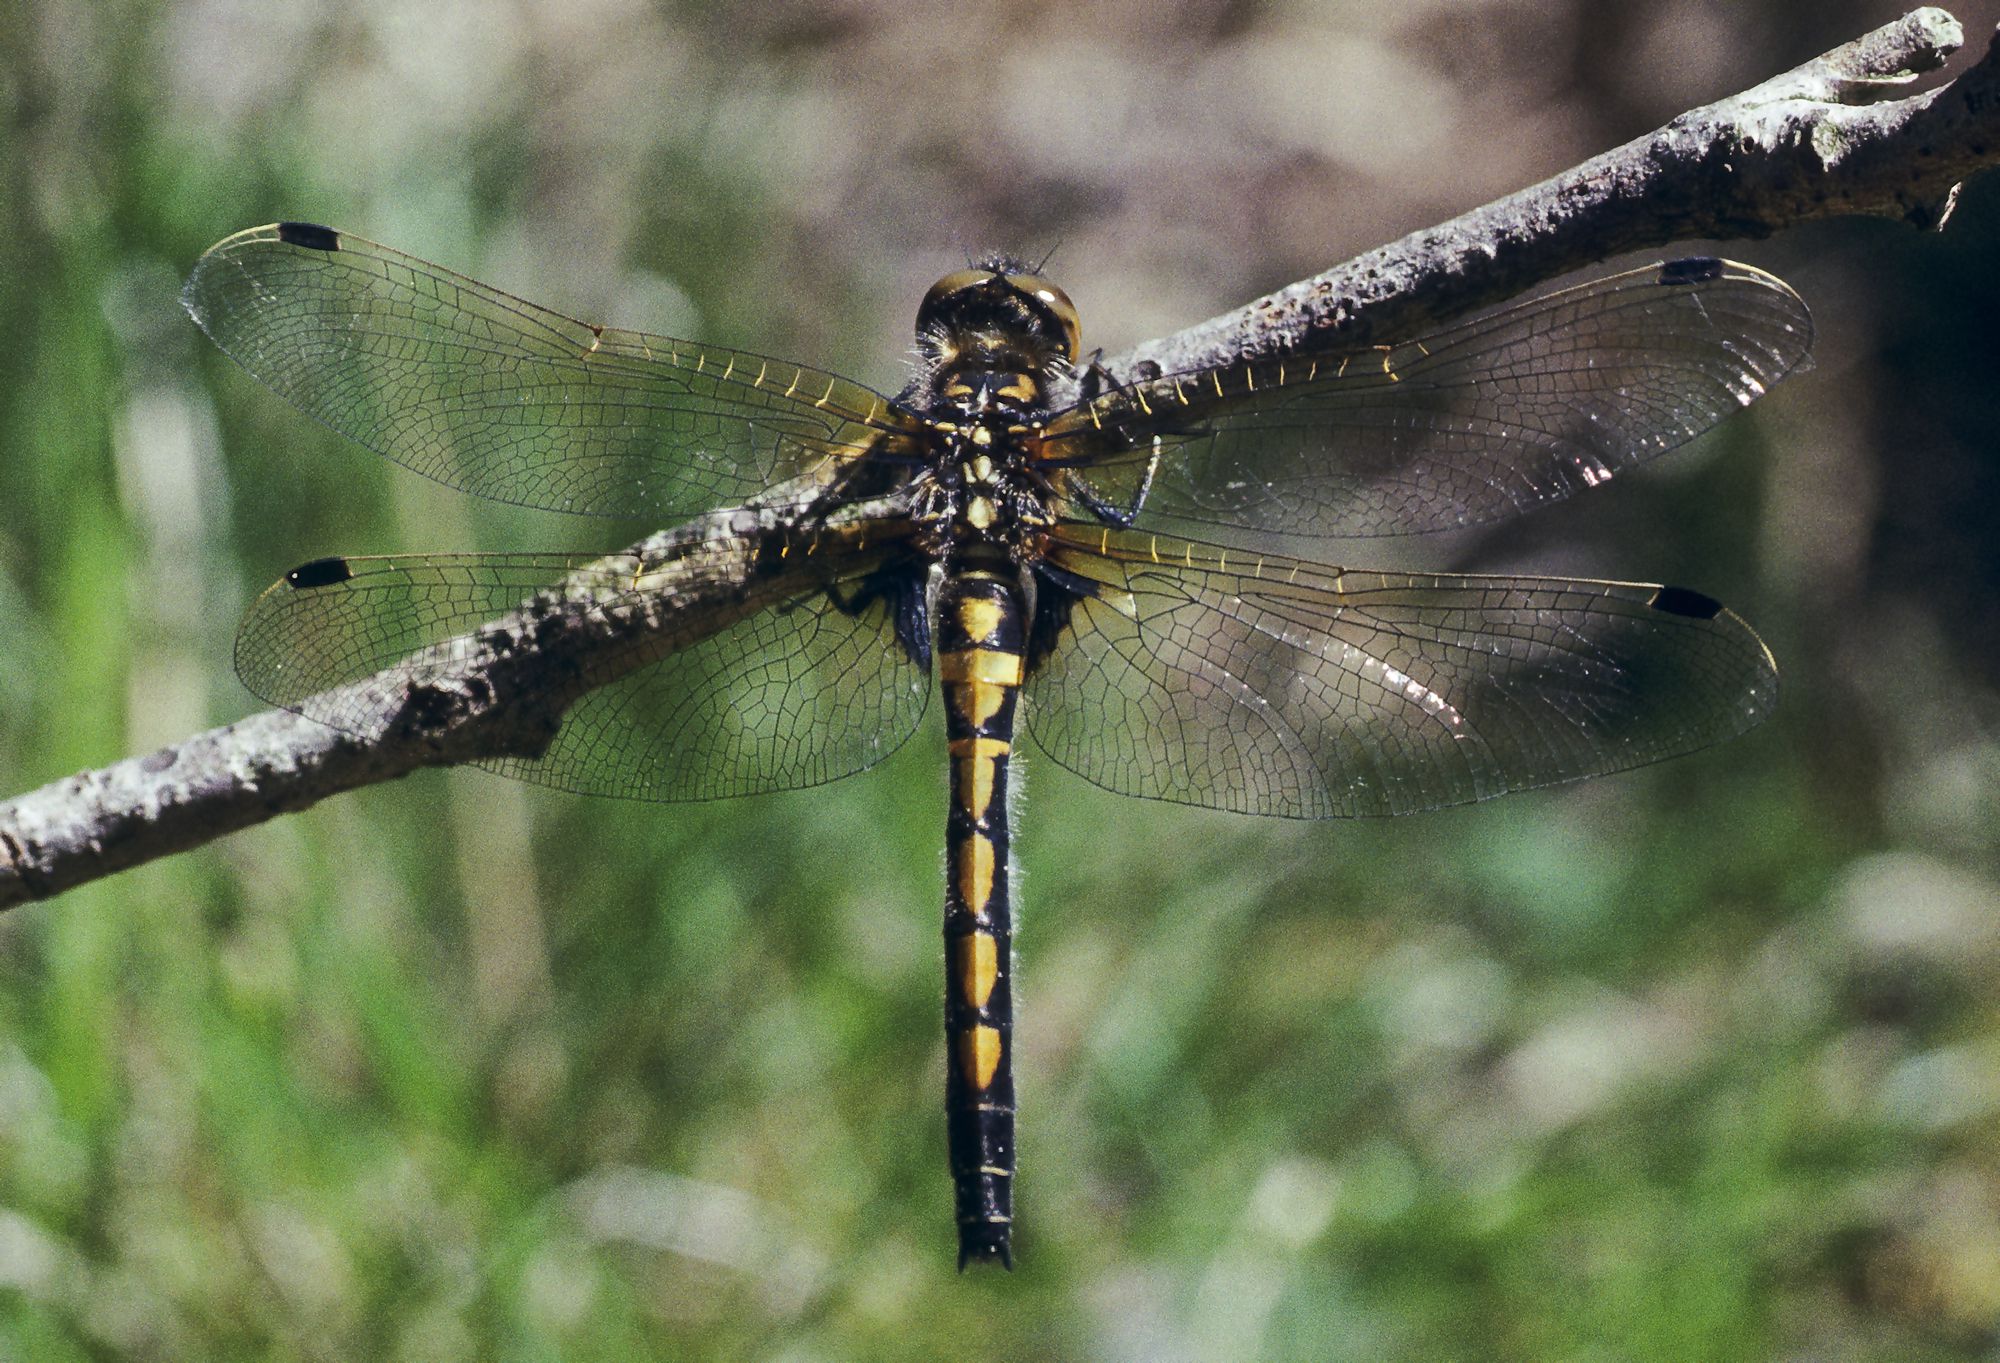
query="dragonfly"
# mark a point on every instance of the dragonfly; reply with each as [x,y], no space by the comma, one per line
[1130,570]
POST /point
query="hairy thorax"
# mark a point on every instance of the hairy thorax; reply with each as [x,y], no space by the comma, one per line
[979,494]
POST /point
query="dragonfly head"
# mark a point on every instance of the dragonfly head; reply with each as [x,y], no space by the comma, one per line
[997,316]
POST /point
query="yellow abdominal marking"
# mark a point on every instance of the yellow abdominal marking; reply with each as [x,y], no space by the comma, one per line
[981,665]
[977,766]
[978,702]
[979,616]
[975,786]
[978,1055]
[980,747]
[981,512]
[975,873]
[978,967]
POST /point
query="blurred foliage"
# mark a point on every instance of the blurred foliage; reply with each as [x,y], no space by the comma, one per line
[1701,1062]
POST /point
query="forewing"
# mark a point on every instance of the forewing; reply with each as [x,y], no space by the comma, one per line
[793,695]
[1278,687]
[503,399]
[1478,423]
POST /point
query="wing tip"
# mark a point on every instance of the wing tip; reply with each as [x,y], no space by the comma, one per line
[1759,699]
[1797,320]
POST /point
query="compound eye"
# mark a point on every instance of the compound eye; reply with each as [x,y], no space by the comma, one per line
[1055,303]
[958,281]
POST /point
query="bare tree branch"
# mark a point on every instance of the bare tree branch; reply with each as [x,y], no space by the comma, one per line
[1821,141]
[484,696]
[1818,142]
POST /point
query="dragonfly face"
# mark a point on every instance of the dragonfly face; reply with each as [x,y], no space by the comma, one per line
[1131,574]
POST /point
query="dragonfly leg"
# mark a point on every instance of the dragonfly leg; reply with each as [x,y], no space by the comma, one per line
[1121,516]
[902,592]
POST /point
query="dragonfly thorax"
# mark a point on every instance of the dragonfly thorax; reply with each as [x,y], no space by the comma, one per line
[979,488]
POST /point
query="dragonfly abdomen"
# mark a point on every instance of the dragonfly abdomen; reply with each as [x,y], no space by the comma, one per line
[981,635]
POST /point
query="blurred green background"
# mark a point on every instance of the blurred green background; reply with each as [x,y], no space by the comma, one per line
[1698,1062]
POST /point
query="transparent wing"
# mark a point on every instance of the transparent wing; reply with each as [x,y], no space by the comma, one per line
[1272,686]
[503,399]
[1480,422]
[727,703]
